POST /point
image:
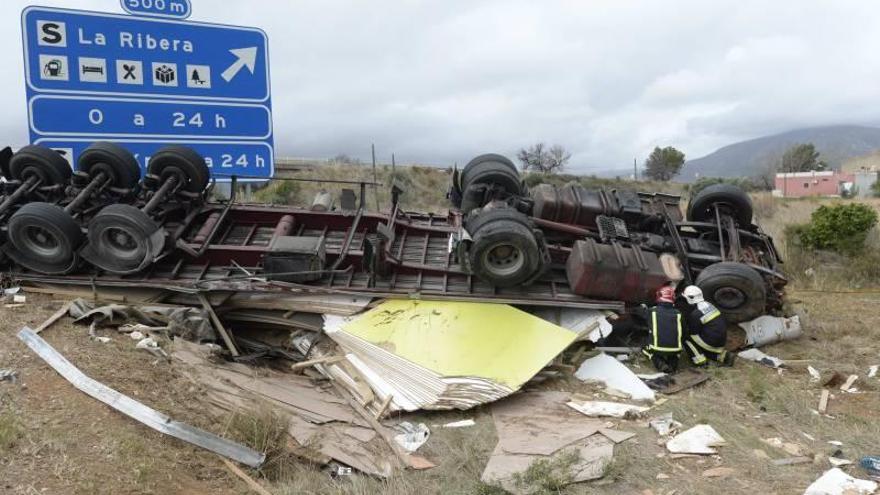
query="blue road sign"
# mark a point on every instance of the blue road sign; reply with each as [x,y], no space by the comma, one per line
[156,81]
[180,9]
[247,159]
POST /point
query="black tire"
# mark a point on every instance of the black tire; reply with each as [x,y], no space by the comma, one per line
[184,163]
[45,163]
[114,160]
[503,251]
[123,239]
[728,197]
[492,169]
[45,236]
[738,290]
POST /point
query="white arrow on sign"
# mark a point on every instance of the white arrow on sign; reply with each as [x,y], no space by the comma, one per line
[244,57]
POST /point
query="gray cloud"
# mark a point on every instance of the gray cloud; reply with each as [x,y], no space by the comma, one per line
[438,82]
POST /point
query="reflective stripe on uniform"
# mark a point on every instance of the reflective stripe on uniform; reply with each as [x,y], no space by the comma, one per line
[697,356]
[702,343]
[710,316]
[656,346]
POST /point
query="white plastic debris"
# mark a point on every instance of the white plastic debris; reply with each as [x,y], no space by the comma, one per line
[815,376]
[837,461]
[616,377]
[664,425]
[137,336]
[698,440]
[766,329]
[872,371]
[759,357]
[836,443]
[411,436]
[8,376]
[459,424]
[598,408]
[19,299]
[836,482]
[102,340]
[848,385]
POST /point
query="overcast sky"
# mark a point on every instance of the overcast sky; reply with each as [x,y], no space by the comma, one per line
[438,82]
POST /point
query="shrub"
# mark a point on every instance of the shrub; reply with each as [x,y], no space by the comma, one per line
[842,228]
[280,192]
[703,182]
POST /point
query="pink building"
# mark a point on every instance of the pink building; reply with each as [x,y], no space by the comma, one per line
[800,184]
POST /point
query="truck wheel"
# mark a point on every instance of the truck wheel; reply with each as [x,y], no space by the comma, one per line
[728,197]
[47,164]
[736,289]
[490,169]
[184,163]
[45,236]
[504,251]
[115,161]
[123,239]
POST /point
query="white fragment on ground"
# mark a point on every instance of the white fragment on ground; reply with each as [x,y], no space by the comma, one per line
[698,440]
[791,448]
[759,357]
[836,482]
[837,461]
[598,408]
[767,329]
[848,384]
[459,424]
[136,335]
[616,377]
[872,371]
[650,376]
[664,425]
[8,376]
[410,436]
[102,340]
[815,376]
[836,443]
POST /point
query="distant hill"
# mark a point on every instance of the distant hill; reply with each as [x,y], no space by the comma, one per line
[836,144]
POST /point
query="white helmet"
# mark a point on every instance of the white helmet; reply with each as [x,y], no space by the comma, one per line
[693,294]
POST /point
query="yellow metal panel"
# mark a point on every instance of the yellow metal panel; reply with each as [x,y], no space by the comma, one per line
[493,341]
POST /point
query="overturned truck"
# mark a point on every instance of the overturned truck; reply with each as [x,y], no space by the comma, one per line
[105,225]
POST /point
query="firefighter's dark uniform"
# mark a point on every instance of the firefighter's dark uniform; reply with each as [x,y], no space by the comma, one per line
[666,333]
[707,334]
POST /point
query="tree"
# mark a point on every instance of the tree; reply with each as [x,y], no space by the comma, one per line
[538,158]
[801,158]
[664,163]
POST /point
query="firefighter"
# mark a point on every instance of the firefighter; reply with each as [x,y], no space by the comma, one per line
[707,330]
[665,328]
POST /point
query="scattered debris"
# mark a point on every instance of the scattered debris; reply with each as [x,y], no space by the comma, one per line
[793,449]
[766,329]
[698,440]
[836,482]
[759,357]
[790,461]
[252,483]
[815,376]
[823,401]
[683,380]
[664,425]
[871,464]
[595,408]
[838,462]
[458,424]
[411,436]
[536,428]
[847,385]
[411,351]
[719,472]
[184,321]
[150,345]
[134,409]
[872,370]
[616,377]
[55,317]
[9,376]
[588,324]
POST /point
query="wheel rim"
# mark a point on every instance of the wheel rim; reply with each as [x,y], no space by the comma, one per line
[41,241]
[119,243]
[503,259]
[729,297]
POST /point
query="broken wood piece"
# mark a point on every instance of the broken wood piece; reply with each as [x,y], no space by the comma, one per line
[136,410]
[792,460]
[384,407]
[849,383]
[823,401]
[54,318]
[218,325]
[252,483]
[312,362]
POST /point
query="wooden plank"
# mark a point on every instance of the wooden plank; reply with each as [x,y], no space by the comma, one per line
[312,362]
[823,401]
[55,317]
[384,407]
[227,338]
[256,487]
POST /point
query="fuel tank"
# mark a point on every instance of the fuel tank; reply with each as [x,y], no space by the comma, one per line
[614,271]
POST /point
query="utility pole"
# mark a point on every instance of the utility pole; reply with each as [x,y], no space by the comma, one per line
[635,170]
[393,165]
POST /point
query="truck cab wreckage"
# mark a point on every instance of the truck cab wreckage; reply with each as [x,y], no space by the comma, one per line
[106,226]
